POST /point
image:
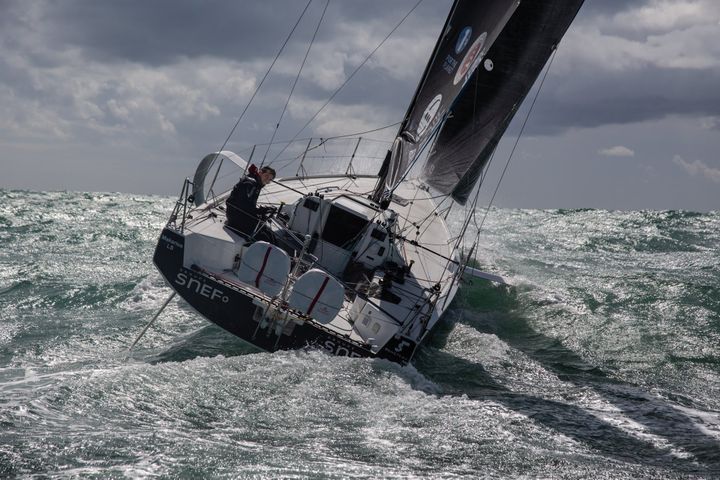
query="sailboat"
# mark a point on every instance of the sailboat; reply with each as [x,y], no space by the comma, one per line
[365,265]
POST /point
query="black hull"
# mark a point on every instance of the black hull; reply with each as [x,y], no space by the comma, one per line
[234,310]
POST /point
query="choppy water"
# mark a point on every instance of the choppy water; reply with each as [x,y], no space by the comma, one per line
[602,362]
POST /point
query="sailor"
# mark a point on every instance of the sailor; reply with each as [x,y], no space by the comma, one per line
[243,213]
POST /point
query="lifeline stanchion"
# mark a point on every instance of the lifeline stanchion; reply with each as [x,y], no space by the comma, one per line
[149,323]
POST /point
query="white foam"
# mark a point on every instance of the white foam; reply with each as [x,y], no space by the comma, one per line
[150,293]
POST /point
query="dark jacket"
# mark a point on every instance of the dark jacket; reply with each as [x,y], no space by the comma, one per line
[241,205]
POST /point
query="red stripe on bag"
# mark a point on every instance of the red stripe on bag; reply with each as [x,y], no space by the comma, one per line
[262,269]
[317,295]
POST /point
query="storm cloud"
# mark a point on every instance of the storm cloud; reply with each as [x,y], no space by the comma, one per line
[165,80]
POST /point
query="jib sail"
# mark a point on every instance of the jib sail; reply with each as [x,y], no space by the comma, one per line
[485,62]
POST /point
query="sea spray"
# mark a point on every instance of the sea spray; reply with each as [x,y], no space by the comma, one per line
[601,361]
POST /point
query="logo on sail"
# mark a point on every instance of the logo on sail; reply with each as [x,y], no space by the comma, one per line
[429,115]
[472,59]
[463,39]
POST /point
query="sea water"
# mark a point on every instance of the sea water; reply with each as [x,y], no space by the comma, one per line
[601,361]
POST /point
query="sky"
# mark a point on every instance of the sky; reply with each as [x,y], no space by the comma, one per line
[105,95]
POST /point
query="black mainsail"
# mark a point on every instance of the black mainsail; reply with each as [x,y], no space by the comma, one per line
[485,62]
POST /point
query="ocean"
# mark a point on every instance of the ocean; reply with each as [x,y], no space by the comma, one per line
[601,361]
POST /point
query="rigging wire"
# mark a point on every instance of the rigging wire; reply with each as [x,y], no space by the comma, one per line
[347,80]
[282,48]
[297,77]
[436,212]
[517,140]
[512,152]
[507,164]
[322,142]
[257,89]
[354,134]
[366,132]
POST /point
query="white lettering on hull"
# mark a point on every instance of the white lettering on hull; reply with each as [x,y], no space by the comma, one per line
[170,242]
[339,350]
[201,288]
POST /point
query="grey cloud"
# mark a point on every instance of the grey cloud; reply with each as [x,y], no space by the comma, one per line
[600,98]
[607,7]
[698,167]
[159,32]
[162,33]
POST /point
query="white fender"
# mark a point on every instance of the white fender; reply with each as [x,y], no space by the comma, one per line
[318,295]
[264,266]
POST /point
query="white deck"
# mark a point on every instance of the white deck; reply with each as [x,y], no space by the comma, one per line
[416,220]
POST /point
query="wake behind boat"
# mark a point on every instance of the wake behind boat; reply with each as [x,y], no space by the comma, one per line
[364,265]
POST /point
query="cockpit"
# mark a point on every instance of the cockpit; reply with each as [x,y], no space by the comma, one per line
[344,232]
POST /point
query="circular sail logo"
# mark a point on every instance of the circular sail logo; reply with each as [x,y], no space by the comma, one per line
[429,115]
[472,59]
[463,39]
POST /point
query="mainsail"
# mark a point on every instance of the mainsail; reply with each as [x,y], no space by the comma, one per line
[483,66]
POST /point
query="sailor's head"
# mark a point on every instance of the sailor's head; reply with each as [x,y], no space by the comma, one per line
[266,175]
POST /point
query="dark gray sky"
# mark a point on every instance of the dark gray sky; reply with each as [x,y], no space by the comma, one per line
[101,95]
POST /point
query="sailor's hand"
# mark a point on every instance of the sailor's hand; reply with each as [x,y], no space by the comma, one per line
[267,212]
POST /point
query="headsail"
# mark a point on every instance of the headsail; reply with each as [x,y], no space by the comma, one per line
[484,64]
[470,29]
